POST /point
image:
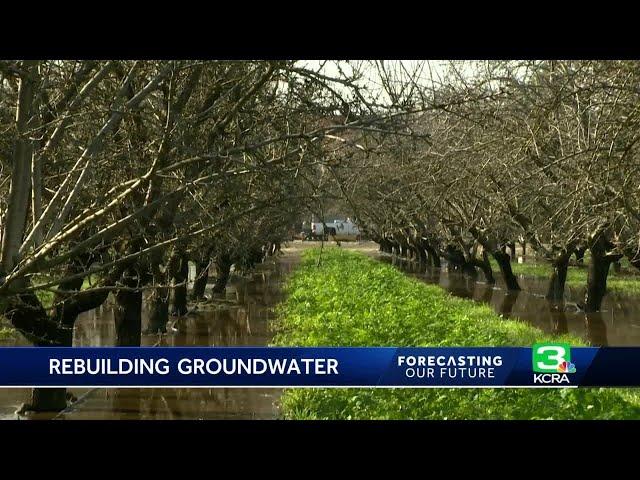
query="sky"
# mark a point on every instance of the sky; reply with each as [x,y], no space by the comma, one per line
[427,73]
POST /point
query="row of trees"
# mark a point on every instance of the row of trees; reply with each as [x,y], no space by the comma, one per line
[115,174]
[541,153]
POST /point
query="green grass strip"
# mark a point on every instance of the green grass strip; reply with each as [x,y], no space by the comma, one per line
[351,300]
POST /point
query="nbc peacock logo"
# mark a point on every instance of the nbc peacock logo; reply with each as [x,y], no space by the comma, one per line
[566,367]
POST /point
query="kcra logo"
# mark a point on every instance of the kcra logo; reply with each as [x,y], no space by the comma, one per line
[552,363]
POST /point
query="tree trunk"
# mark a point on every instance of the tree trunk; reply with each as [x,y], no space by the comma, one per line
[580,255]
[223,267]
[422,255]
[180,287]
[47,400]
[596,282]
[158,301]
[127,314]
[598,272]
[55,399]
[36,195]
[50,399]
[504,262]
[558,278]
[158,310]
[200,283]
[433,256]
[469,269]
[455,256]
[15,218]
[388,246]
[485,266]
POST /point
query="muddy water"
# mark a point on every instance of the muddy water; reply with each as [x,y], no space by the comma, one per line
[618,324]
[240,316]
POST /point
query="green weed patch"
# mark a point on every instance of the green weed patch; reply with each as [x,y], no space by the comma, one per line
[351,300]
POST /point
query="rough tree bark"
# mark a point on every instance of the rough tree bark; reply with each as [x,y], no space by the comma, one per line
[497,251]
[158,301]
[158,310]
[66,309]
[434,257]
[456,257]
[504,262]
[200,283]
[127,312]
[560,264]
[223,268]
[485,266]
[15,217]
[180,278]
[598,272]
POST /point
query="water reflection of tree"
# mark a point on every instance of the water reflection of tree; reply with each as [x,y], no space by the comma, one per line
[461,285]
[487,294]
[126,402]
[170,404]
[558,316]
[241,292]
[94,328]
[433,274]
[508,302]
[231,327]
[596,329]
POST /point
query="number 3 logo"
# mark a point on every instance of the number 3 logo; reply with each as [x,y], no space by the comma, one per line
[548,357]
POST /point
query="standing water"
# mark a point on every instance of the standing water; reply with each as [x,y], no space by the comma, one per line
[617,324]
[241,316]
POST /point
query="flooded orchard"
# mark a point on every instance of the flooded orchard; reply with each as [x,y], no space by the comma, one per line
[239,317]
[616,324]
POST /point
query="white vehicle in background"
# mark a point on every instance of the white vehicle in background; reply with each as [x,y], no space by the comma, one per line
[340,230]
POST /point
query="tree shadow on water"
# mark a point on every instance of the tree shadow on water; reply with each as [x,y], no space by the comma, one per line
[596,329]
[508,302]
[558,317]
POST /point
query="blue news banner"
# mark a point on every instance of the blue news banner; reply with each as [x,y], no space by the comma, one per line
[542,365]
